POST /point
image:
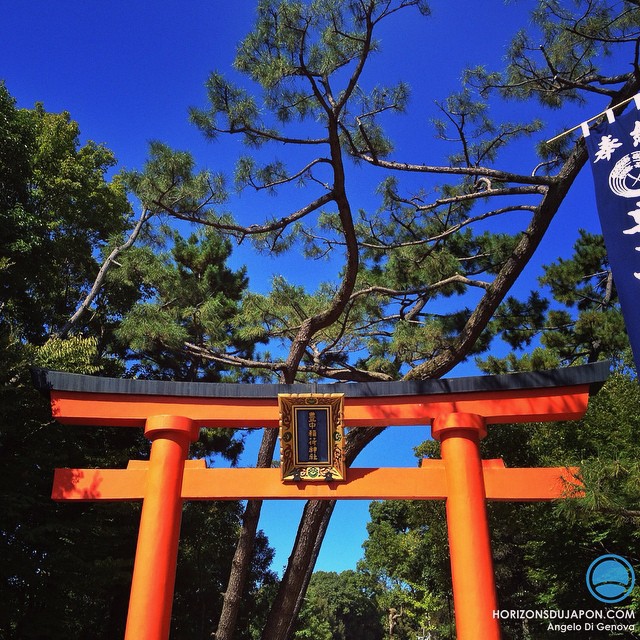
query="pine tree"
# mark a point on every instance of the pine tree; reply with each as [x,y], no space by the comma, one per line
[419,278]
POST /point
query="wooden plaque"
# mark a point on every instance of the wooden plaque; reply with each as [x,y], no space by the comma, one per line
[312,437]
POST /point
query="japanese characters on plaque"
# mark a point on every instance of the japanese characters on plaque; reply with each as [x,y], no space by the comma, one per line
[614,150]
[311,437]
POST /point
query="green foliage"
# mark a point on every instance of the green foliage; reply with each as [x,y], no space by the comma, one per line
[74,354]
[552,545]
[66,568]
[192,301]
[541,551]
[520,321]
[57,209]
[207,542]
[170,184]
[607,452]
[340,606]
[400,533]
[588,327]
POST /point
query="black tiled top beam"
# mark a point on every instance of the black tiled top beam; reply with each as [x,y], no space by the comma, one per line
[591,374]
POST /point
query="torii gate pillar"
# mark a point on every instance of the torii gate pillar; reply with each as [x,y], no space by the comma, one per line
[467,525]
[154,570]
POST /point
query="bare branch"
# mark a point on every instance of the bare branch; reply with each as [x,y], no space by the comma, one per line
[102,274]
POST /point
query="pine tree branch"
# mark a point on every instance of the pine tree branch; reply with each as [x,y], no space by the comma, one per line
[254,229]
[364,55]
[267,134]
[292,177]
[346,372]
[455,279]
[451,230]
[501,176]
[619,511]
[530,240]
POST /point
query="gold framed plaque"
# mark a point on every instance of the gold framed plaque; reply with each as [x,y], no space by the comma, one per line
[312,437]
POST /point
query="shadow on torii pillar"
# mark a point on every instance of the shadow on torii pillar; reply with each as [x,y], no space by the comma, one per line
[458,410]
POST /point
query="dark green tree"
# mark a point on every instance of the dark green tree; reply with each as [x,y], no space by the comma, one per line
[541,550]
[57,211]
[400,533]
[57,208]
[207,542]
[66,568]
[191,305]
[340,606]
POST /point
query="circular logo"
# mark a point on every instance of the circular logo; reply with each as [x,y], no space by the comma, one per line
[610,578]
[624,179]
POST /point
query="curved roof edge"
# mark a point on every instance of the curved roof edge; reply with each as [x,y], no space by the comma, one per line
[591,374]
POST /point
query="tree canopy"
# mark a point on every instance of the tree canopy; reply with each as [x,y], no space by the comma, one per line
[66,569]
[57,209]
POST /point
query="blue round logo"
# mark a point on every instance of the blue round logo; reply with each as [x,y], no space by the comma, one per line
[610,578]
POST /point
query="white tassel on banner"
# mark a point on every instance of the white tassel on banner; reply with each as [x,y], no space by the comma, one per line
[584,126]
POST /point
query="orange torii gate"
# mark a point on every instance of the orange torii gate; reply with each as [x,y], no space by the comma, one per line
[458,410]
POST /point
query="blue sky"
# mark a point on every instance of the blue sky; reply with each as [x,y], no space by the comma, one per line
[128,70]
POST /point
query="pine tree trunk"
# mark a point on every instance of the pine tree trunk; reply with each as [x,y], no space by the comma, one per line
[243,555]
[285,608]
[311,530]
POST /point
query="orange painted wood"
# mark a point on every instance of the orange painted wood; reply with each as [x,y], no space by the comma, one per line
[200,483]
[472,577]
[126,410]
[154,569]
[532,485]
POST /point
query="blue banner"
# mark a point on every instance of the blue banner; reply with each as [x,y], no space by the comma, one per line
[614,151]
